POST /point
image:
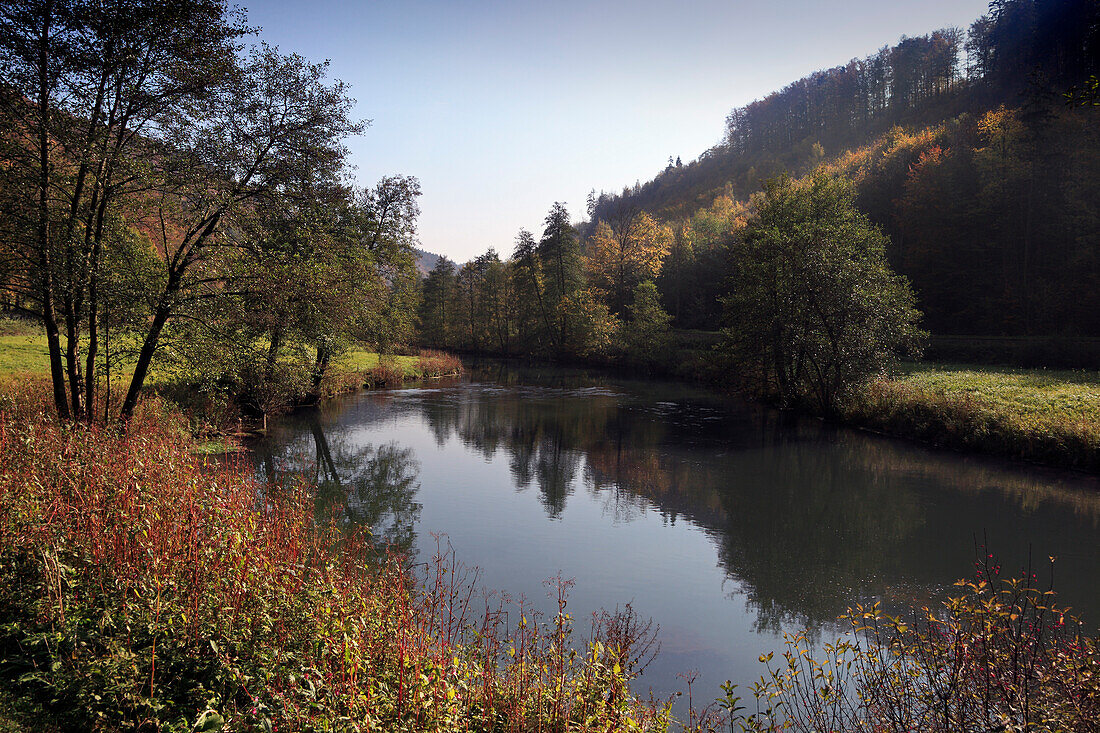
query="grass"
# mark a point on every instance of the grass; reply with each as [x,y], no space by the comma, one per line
[390,369]
[1039,415]
[23,350]
[361,360]
[24,354]
[1034,394]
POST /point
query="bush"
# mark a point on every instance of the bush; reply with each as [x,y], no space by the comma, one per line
[999,656]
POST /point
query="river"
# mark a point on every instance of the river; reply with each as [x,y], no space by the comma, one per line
[726,523]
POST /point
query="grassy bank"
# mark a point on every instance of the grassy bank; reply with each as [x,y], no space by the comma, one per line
[145,590]
[1040,415]
[361,368]
[1049,416]
[24,356]
[23,350]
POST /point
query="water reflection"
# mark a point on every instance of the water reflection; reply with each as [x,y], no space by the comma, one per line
[362,485]
[722,520]
[806,517]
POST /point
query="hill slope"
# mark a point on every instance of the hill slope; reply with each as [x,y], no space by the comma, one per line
[963,150]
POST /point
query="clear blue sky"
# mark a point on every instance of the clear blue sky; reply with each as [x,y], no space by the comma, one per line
[502,108]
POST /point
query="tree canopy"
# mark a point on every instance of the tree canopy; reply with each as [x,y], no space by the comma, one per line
[814,307]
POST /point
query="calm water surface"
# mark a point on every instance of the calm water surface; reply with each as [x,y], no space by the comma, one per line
[724,522]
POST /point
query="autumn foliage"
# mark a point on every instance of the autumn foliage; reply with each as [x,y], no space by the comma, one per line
[149,589]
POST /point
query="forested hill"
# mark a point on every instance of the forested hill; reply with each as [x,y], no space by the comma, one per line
[1023,51]
[977,151]
[425,261]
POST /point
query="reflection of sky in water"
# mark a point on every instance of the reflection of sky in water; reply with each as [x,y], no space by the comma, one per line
[724,524]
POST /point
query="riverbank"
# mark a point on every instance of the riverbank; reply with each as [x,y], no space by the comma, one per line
[1045,416]
[1038,415]
[147,589]
[24,357]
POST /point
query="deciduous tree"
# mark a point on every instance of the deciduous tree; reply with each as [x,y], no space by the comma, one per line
[815,309]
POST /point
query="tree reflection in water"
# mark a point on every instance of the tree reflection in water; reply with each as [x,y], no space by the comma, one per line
[356,486]
[805,519]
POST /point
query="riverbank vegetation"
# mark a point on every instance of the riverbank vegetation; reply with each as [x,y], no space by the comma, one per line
[147,589]
[999,655]
[216,407]
[1039,415]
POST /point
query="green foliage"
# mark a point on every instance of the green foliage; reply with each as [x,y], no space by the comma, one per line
[645,337]
[590,325]
[435,306]
[815,310]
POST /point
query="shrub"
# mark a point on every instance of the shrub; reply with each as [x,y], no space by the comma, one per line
[998,656]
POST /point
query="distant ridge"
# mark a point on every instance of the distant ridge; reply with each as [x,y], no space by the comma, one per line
[425,261]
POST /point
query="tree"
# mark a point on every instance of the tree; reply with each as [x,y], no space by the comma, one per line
[249,146]
[86,89]
[529,288]
[645,335]
[815,309]
[560,254]
[388,213]
[591,327]
[436,319]
[626,254]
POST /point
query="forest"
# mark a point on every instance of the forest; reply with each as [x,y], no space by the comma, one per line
[975,152]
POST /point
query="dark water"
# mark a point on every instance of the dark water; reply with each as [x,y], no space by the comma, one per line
[724,522]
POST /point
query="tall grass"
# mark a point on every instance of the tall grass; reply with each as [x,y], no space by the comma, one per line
[999,656]
[148,590]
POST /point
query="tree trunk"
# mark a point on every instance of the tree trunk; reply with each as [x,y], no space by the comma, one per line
[273,351]
[148,348]
[45,261]
[93,311]
[72,357]
[324,356]
[93,348]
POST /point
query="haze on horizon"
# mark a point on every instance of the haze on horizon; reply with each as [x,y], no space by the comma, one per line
[502,108]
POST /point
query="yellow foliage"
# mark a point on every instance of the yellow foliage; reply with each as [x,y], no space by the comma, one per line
[619,258]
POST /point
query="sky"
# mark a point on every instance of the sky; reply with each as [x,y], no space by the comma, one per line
[502,108]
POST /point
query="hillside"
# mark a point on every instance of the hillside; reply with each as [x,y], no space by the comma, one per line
[964,150]
[425,261]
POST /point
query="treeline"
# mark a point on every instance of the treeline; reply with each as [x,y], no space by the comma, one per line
[551,298]
[811,307]
[976,152]
[172,199]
